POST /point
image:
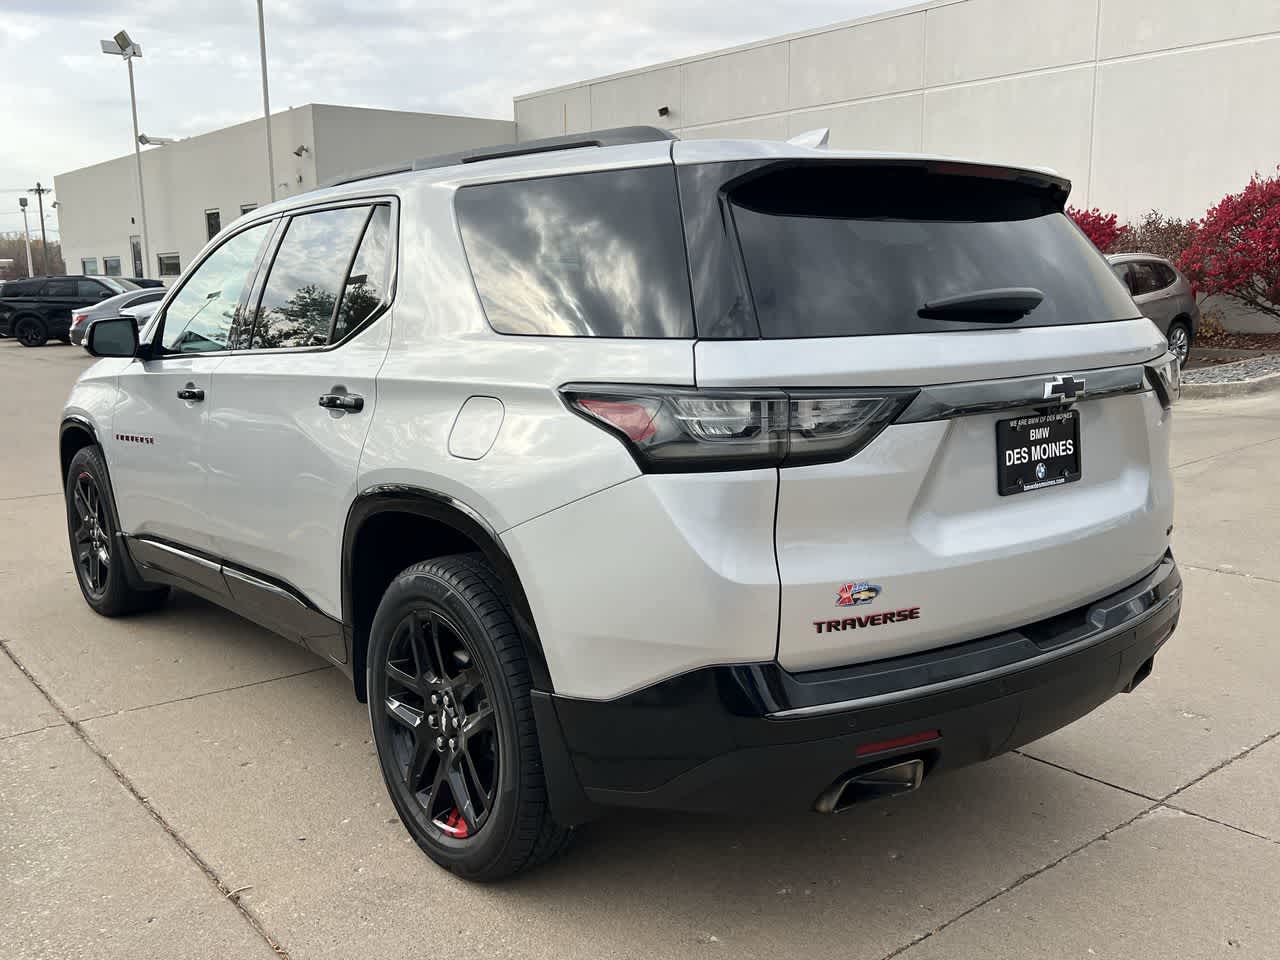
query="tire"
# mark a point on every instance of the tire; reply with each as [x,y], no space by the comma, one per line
[30,331]
[96,551]
[1180,334]
[444,630]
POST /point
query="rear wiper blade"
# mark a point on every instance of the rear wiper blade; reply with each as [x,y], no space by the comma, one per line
[999,305]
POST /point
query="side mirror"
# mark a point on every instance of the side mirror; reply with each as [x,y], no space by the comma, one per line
[112,337]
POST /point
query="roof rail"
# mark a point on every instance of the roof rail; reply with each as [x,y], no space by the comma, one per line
[613,137]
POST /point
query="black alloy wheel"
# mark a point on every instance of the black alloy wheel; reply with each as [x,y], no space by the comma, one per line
[96,550]
[442,724]
[91,534]
[30,332]
[450,702]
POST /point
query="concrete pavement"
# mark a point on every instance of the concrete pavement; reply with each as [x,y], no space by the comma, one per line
[183,783]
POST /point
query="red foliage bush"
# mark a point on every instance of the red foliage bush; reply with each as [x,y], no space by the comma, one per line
[1235,249]
[1102,228]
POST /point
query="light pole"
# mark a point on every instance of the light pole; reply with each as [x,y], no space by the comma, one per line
[266,102]
[26,232]
[121,46]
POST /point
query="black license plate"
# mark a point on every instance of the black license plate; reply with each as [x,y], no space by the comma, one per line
[1037,452]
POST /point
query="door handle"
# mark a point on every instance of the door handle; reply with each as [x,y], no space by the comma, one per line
[342,401]
[192,393]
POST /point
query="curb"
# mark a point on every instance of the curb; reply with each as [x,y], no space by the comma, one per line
[1232,388]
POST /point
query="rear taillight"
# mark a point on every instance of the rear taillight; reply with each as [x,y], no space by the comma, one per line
[675,429]
[78,319]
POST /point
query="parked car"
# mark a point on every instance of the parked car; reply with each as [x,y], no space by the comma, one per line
[147,282]
[1163,294]
[111,307]
[699,475]
[35,310]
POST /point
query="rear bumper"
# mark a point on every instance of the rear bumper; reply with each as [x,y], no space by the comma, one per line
[756,737]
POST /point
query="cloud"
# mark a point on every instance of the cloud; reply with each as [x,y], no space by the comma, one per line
[200,60]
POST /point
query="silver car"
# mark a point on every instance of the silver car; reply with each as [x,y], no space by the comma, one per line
[1163,294]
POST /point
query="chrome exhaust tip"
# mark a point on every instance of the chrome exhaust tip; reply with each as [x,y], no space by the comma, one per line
[890,780]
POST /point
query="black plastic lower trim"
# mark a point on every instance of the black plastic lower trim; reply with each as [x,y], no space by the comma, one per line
[717,738]
[266,601]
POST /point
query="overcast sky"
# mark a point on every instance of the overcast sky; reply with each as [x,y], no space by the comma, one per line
[67,104]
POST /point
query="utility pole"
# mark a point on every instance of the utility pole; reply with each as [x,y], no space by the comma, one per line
[266,102]
[40,191]
[26,232]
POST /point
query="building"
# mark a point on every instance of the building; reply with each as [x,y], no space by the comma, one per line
[1166,105]
[194,187]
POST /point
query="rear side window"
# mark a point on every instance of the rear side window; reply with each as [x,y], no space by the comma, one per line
[60,288]
[1146,278]
[366,286]
[1165,274]
[22,288]
[301,292]
[835,249]
[586,255]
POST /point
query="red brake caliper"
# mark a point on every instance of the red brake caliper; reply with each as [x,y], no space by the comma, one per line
[454,825]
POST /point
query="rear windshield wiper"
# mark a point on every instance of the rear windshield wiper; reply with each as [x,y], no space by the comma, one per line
[999,305]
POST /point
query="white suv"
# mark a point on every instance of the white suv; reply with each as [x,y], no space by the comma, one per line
[620,470]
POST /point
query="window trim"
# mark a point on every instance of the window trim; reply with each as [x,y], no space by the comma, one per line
[259,278]
[84,269]
[269,259]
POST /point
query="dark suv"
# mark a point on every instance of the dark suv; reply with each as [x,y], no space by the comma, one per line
[38,308]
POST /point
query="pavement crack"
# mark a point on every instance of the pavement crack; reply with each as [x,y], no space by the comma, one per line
[1155,804]
[1229,573]
[1221,823]
[249,916]
[1106,783]
[1224,453]
[206,693]
[31,496]
[898,951]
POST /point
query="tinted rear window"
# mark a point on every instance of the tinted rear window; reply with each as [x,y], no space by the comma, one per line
[836,249]
[586,255]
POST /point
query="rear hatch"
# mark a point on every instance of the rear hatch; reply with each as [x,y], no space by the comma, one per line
[1025,468]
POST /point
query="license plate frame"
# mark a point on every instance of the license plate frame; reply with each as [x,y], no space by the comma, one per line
[1021,452]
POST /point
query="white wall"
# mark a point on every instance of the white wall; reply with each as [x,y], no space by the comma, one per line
[349,139]
[1144,104]
[98,209]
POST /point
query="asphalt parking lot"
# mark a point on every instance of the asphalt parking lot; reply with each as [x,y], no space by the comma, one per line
[186,784]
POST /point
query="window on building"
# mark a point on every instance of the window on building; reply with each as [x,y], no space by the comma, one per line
[199,317]
[213,223]
[168,264]
[89,266]
[301,292]
[111,266]
[135,251]
[247,208]
[367,283]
